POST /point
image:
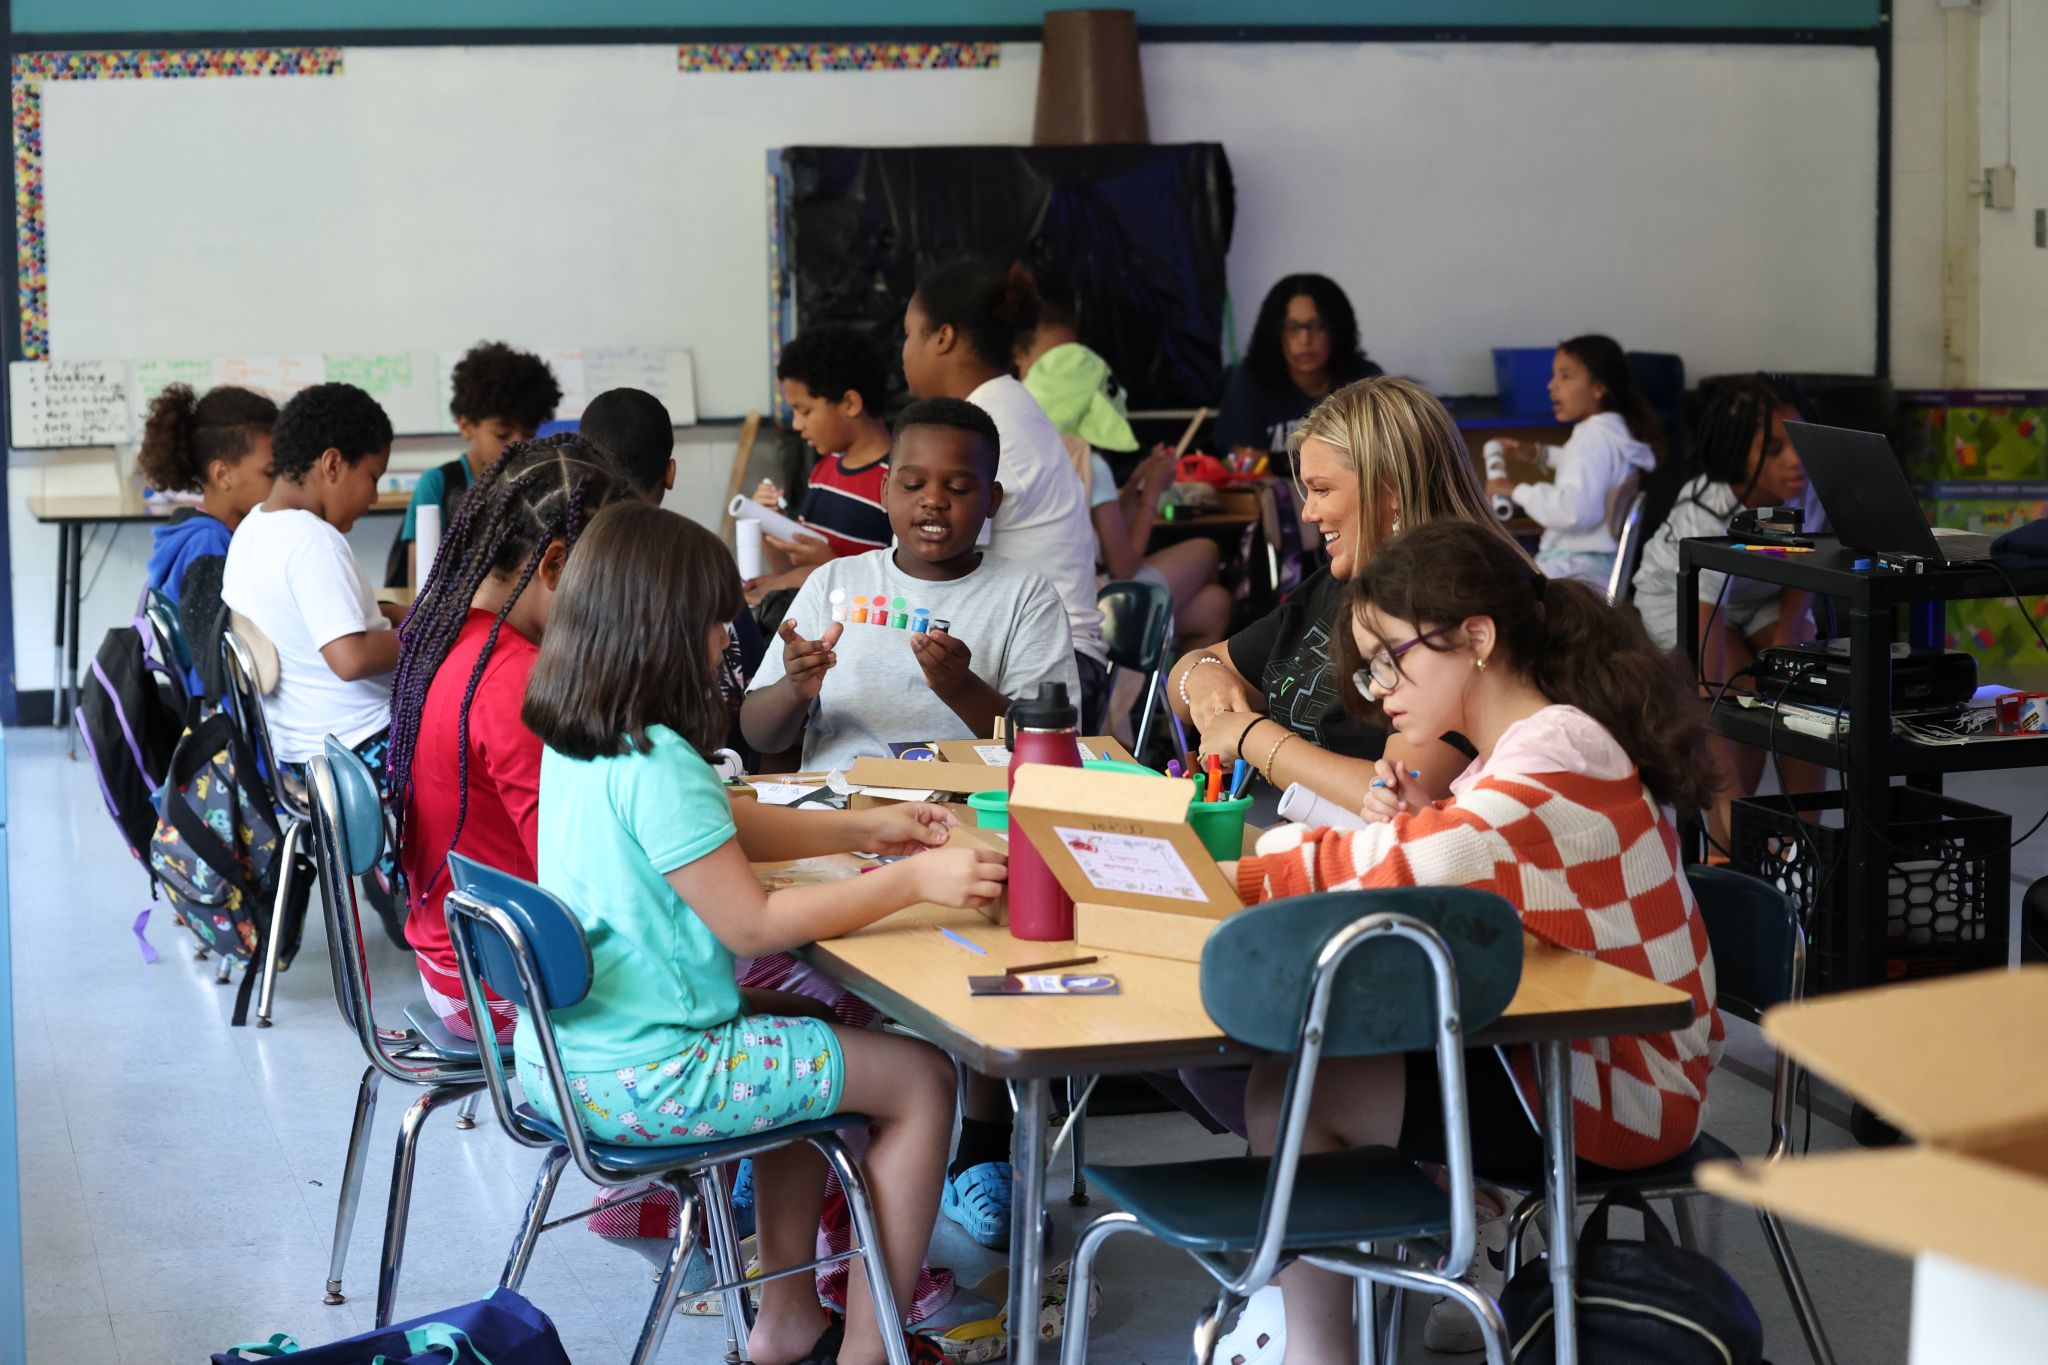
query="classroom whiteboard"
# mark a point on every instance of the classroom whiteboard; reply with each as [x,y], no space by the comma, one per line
[1716,201]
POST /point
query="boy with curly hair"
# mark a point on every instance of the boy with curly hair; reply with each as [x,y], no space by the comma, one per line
[499,395]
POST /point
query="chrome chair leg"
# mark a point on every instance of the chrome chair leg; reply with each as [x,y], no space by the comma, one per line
[728,1266]
[689,1215]
[352,1181]
[1681,1214]
[273,944]
[1795,1288]
[545,1182]
[465,1117]
[1209,1327]
[227,970]
[1146,709]
[1397,1305]
[1081,1280]
[1519,1220]
[862,1211]
[1492,1330]
[400,1208]
[1077,1106]
[1365,1318]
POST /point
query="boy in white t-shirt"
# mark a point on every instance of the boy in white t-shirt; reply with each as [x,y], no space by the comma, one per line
[291,573]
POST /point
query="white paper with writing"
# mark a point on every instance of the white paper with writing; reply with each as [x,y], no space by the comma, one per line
[1135,864]
[68,402]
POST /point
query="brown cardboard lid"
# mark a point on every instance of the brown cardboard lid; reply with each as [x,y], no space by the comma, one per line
[1907,1200]
[1945,1060]
[1120,839]
[924,774]
[968,750]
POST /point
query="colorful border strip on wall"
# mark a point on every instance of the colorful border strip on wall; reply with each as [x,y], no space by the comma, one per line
[31,69]
[701,58]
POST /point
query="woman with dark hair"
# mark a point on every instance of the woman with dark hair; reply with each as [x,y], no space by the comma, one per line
[1586,736]
[1304,346]
[1614,436]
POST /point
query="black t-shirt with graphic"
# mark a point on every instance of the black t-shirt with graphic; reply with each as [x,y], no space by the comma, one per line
[1287,653]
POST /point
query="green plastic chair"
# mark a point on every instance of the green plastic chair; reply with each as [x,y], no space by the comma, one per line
[1347,974]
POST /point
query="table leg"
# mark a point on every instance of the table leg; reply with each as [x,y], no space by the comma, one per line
[1027,1245]
[57,654]
[71,630]
[1554,1073]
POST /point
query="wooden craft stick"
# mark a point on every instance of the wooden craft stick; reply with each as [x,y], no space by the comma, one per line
[1187,438]
[749,430]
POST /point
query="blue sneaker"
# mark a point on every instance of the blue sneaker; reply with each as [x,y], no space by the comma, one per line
[743,1199]
[978,1199]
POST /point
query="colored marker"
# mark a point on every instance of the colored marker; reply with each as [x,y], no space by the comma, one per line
[1173,768]
[1381,782]
[1240,773]
[1215,787]
[969,944]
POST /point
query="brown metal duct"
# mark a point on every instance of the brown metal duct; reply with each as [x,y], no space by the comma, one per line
[1090,87]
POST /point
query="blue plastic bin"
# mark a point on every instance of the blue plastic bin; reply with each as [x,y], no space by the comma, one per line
[1521,374]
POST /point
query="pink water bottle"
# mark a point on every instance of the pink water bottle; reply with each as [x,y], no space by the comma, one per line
[1041,730]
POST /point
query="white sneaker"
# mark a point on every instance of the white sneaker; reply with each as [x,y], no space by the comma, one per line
[1260,1337]
[1451,1328]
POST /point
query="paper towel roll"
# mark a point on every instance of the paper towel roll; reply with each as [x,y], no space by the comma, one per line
[1301,806]
[746,509]
[746,547]
[426,540]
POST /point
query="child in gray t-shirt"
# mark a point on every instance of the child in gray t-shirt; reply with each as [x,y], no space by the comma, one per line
[927,640]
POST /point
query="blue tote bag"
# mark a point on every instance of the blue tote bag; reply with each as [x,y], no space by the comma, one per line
[502,1330]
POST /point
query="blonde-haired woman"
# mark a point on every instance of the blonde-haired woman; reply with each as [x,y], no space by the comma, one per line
[1374,457]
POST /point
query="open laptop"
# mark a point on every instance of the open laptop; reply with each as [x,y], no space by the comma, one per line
[1868,501]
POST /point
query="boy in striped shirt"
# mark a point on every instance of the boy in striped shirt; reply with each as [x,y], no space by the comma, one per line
[835,381]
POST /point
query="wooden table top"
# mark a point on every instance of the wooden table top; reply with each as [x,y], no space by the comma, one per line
[905,967]
[115,507]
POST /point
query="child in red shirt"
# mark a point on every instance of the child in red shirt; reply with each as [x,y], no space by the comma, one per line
[465,770]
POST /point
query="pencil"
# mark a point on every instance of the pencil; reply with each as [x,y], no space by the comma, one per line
[1048,966]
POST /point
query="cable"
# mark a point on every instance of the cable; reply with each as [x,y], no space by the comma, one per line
[2010,587]
[105,550]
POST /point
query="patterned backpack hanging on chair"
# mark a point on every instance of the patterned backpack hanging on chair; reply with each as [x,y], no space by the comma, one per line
[216,846]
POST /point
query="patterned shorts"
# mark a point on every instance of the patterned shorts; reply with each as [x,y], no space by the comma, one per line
[756,1072]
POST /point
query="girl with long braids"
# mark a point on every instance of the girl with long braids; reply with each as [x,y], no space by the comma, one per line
[464,769]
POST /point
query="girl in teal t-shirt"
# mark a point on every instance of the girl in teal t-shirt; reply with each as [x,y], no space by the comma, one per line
[636,836]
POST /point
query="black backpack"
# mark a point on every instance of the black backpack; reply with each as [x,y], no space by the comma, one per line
[216,849]
[1638,1301]
[131,710]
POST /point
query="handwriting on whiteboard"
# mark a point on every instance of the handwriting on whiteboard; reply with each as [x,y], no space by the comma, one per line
[68,402]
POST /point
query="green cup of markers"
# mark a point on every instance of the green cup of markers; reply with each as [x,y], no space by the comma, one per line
[1220,826]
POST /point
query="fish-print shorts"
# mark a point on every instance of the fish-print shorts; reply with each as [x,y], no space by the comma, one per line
[756,1072]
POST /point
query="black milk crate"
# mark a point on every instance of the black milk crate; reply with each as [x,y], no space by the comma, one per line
[1946,901]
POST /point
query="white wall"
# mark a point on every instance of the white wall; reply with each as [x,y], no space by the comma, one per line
[1919,90]
[1711,201]
[2013,307]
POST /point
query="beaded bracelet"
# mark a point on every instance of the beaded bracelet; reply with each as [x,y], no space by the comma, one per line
[1186,700]
[1274,752]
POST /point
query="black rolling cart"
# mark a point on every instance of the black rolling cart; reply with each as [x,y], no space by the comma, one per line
[1894,881]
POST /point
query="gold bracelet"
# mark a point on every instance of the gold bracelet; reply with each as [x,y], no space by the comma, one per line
[1274,752]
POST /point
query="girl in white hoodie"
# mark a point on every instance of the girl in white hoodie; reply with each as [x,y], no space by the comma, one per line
[1613,437]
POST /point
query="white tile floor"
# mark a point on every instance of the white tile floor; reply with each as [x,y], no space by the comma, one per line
[179,1177]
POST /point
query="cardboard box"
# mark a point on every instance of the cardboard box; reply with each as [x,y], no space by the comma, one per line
[1956,1063]
[992,753]
[998,911]
[1121,846]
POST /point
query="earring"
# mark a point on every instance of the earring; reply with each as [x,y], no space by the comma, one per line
[1395,529]
[1479,664]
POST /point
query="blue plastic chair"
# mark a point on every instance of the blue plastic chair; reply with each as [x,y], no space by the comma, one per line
[1348,974]
[1759,962]
[1137,628]
[527,946]
[245,703]
[348,839]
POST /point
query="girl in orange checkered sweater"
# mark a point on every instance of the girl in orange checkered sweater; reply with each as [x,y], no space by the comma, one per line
[1585,734]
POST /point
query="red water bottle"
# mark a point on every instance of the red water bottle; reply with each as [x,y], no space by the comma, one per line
[1041,730]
